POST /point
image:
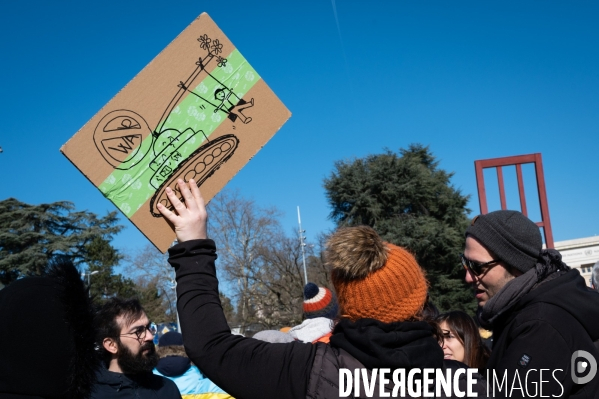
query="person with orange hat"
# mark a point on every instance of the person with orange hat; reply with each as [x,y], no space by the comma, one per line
[381,291]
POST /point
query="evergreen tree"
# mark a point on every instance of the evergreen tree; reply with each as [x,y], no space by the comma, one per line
[32,235]
[151,299]
[102,258]
[410,202]
[155,281]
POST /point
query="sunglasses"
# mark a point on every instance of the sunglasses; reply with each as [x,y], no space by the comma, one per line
[477,268]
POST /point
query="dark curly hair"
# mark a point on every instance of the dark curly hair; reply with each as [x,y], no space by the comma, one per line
[106,324]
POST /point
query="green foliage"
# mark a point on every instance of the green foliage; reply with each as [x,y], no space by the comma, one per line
[31,235]
[151,299]
[102,258]
[155,282]
[410,202]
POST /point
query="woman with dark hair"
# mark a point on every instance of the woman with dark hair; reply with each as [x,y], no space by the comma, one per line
[461,339]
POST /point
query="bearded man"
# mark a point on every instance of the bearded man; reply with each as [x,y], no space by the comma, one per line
[125,338]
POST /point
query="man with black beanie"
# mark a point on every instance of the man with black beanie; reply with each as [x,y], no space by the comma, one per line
[543,316]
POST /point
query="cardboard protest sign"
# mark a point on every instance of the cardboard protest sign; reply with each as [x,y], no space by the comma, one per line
[198,110]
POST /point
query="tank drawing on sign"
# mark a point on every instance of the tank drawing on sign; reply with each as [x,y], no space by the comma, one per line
[170,150]
[199,166]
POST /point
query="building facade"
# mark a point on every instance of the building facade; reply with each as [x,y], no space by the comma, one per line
[581,253]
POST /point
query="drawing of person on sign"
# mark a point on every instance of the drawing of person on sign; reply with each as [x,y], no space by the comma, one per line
[232,105]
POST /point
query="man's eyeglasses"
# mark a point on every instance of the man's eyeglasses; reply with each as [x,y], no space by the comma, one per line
[477,268]
[141,331]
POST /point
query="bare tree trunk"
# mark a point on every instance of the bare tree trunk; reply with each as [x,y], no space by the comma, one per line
[261,261]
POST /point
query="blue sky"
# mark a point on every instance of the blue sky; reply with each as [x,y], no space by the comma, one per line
[473,80]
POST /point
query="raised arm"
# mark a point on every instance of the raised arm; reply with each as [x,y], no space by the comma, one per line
[244,367]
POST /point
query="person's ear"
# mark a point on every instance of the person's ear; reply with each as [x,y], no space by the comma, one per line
[110,345]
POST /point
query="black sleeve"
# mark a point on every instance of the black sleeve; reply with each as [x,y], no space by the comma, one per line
[243,367]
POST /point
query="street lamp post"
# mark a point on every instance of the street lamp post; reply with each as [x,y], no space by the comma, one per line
[174,287]
[302,244]
[88,280]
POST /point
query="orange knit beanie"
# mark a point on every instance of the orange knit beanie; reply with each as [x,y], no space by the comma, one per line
[374,279]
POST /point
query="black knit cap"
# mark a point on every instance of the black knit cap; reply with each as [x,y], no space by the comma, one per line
[171,338]
[510,236]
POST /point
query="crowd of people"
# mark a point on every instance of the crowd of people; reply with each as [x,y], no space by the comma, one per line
[378,317]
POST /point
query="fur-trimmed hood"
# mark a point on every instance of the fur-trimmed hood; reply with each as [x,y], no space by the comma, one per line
[52,318]
[171,350]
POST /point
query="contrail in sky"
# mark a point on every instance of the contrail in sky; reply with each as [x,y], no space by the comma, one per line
[337,20]
[351,86]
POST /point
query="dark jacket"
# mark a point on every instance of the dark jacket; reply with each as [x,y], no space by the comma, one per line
[415,353]
[542,331]
[248,368]
[144,386]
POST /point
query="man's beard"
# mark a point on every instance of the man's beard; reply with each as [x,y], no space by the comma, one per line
[140,363]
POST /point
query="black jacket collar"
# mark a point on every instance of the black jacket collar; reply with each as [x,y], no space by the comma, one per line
[567,291]
[119,380]
[394,345]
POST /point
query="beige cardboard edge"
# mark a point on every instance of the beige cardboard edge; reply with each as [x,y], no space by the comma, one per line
[154,230]
[62,148]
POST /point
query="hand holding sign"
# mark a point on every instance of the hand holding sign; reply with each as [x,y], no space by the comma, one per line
[190,218]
